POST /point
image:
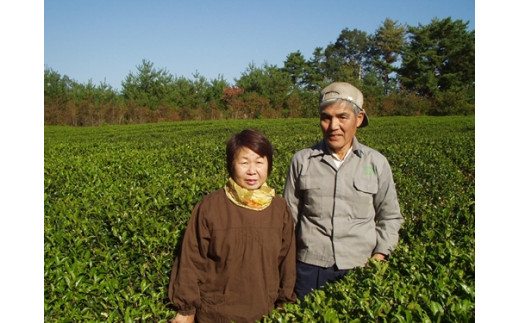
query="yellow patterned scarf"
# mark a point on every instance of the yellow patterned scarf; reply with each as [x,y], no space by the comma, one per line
[258,199]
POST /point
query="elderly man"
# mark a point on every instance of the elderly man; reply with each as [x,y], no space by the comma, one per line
[341,194]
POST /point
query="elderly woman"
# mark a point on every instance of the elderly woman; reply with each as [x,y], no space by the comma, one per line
[238,260]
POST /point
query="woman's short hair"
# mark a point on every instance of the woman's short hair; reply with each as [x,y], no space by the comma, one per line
[252,139]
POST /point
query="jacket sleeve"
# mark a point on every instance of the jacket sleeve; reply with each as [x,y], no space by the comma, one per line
[287,261]
[291,193]
[188,268]
[388,214]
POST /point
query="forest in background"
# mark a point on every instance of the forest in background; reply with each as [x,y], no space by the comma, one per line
[401,70]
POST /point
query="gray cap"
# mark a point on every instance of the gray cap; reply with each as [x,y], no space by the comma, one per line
[343,91]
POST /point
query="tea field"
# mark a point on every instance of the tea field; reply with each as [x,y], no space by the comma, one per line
[117,199]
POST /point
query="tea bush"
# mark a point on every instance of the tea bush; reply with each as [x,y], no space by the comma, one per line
[117,199]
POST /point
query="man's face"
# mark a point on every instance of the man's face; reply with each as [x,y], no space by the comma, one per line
[338,124]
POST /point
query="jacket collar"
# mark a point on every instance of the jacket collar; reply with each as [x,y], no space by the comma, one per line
[321,149]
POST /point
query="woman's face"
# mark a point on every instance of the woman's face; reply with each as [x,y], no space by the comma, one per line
[250,170]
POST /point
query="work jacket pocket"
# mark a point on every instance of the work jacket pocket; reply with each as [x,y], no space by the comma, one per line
[311,195]
[363,198]
[365,186]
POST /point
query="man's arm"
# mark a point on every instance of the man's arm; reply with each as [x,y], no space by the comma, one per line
[290,192]
[388,213]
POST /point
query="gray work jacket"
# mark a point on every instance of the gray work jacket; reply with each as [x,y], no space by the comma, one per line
[342,216]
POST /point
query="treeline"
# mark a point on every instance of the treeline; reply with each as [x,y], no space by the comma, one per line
[402,70]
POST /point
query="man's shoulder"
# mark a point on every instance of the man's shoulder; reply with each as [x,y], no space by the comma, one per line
[305,153]
[371,155]
[369,151]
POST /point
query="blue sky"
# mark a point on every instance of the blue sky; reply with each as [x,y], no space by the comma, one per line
[105,40]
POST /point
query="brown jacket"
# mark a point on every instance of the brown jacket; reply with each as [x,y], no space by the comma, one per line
[235,263]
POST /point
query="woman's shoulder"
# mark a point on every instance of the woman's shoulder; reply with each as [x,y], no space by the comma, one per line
[213,197]
[279,202]
[209,205]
